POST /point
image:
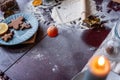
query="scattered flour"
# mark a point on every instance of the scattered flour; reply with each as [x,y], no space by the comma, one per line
[71,10]
[92,48]
[55,68]
[39,57]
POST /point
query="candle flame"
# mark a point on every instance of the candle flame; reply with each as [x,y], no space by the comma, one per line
[101,61]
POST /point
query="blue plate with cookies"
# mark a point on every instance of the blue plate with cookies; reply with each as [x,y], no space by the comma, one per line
[20,27]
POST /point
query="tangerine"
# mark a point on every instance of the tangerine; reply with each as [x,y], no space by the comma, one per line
[52,31]
[37,2]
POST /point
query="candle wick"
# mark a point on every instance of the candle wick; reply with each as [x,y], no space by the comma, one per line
[101,61]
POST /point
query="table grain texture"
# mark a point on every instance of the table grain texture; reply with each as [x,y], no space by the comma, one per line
[58,58]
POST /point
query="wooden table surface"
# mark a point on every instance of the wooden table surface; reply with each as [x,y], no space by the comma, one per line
[58,58]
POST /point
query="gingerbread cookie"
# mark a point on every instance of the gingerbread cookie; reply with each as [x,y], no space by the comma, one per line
[16,23]
[7,36]
[25,26]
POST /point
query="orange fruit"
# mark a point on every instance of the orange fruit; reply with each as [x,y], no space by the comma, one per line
[52,31]
[3,28]
[37,2]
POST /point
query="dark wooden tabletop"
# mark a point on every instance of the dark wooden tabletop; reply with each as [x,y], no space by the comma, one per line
[58,58]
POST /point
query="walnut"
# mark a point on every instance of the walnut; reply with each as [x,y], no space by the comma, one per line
[110,50]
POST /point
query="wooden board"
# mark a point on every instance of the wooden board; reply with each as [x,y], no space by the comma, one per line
[57,58]
[74,49]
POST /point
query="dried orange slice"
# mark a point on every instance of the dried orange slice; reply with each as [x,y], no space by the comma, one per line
[37,2]
[3,28]
[52,31]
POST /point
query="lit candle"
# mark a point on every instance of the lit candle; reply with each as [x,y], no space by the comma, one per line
[98,68]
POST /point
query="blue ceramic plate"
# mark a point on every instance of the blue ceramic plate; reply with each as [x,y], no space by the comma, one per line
[21,35]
